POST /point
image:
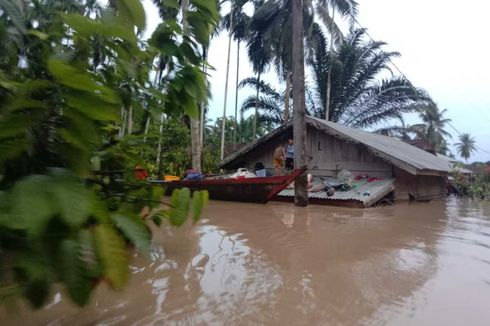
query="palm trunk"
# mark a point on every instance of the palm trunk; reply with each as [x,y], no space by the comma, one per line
[159,147]
[195,134]
[329,75]
[147,127]
[299,122]
[223,122]
[236,92]
[203,105]
[286,97]
[256,104]
[122,131]
[130,120]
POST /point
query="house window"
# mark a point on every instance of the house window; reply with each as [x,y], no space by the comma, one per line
[319,145]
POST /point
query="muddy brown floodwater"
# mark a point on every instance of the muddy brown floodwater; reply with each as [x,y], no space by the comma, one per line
[274,264]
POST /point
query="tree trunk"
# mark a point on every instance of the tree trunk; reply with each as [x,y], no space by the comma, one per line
[159,147]
[236,92]
[299,122]
[223,122]
[203,104]
[122,131]
[195,134]
[286,97]
[147,127]
[329,75]
[130,120]
[256,111]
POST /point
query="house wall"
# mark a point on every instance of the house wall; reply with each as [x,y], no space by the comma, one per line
[328,155]
[262,153]
[420,187]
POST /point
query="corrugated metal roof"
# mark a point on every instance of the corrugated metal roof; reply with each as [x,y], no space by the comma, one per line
[368,193]
[393,150]
[453,163]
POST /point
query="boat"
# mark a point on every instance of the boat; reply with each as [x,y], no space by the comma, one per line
[252,190]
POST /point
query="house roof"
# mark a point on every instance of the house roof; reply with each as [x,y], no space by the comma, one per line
[392,150]
[454,164]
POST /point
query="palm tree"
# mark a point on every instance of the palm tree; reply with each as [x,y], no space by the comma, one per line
[358,98]
[347,8]
[259,52]
[466,146]
[236,22]
[269,104]
[431,131]
[401,131]
[272,22]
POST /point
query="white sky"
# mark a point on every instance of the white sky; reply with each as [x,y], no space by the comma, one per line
[444,48]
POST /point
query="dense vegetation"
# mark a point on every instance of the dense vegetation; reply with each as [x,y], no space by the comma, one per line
[77,86]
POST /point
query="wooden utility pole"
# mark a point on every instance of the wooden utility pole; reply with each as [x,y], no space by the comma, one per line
[299,116]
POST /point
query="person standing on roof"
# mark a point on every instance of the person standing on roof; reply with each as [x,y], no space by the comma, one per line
[290,155]
[278,160]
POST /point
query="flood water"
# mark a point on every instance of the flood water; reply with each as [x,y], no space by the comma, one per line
[274,264]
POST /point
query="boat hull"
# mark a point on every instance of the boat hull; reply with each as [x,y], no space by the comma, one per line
[252,190]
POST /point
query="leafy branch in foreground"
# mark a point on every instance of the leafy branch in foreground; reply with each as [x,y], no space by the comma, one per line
[72,76]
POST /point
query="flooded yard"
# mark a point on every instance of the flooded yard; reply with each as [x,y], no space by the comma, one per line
[274,264]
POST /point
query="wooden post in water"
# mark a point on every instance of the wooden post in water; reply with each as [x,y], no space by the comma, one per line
[299,116]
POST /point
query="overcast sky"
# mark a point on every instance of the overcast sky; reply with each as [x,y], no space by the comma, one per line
[444,48]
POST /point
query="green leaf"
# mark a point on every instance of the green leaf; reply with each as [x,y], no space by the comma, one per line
[192,110]
[80,80]
[157,194]
[92,106]
[25,103]
[33,272]
[75,274]
[134,229]
[190,54]
[134,10]
[209,6]
[199,202]
[32,205]
[179,201]
[113,254]
[171,4]
[73,199]
[38,34]
[89,253]
[109,27]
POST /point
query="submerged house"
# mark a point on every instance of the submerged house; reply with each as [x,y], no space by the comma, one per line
[400,169]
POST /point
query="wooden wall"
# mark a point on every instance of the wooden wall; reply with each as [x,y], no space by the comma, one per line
[328,155]
[420,187]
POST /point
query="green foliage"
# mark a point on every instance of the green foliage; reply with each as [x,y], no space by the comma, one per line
[199,200]
[358,98]
[477,187]
[133,229]
[75,96]
[180,203]
[113,256]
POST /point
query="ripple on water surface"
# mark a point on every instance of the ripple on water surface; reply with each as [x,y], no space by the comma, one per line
[420,264]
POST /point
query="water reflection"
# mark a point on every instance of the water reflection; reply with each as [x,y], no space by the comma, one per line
[278,264]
